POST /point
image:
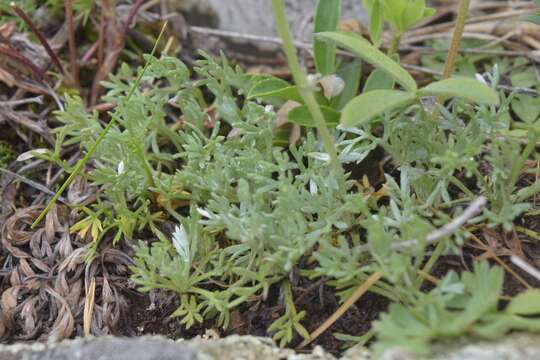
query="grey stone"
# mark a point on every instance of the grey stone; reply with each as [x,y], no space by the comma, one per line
[255,16]
[513,347]
[107,348]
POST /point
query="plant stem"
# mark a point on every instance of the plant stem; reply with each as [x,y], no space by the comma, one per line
[454,48]
[72,45]
[305,91]
[101,136]
[394,45]
[456,38]
[54,58]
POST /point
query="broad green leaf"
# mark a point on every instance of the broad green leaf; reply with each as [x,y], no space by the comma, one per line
[379,80]
[526,303]
[376,20]
[369,105]
[351,74]
[363,49]
[527,108]
[274,88]
[394,10]
[465,88]
[413,13]
[301,116]
[327,16]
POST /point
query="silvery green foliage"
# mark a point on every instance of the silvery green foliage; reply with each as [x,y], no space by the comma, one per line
[256,209]
[255,213]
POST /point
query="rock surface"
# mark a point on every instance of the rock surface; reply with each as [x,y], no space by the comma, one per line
[516,347]
[255,16]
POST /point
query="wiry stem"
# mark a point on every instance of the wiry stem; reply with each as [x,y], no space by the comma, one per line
[454,47]
[40,36]
[394,45]
[304,89]
[71,44]
[456,38]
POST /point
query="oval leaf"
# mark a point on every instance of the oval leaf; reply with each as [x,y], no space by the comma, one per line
[327,17]
[363,49]
[465,88]
[369,105]
[526,303]
[275,88]
[301,116]
[379,80]
[351,73]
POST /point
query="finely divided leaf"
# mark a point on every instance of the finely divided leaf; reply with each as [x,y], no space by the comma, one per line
[465,88]
[369,105]
[363,49]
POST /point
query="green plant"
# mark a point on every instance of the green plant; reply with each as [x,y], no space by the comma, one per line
[534,18]
[94,145]
[7,154]
[458,306]
[56,7]
[256,215]
[401,15]
[326,52]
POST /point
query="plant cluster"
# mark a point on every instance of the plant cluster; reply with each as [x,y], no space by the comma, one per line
[252,210]
[7,154]
[54,7]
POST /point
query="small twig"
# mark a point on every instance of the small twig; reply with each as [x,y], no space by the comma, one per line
[55,96]
[71,43]
[242,36]
[33,184]
[40,36]
[116,40]
[471,211]
[525,266]
[519,90]
[495,257]
[14,103]
[17,56]
[361,290]
[131,16]
[101,39]
[89,303]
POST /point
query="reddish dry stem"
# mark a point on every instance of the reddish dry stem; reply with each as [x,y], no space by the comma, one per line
[9,51]
[40,36]
[116,38]
[71,43]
